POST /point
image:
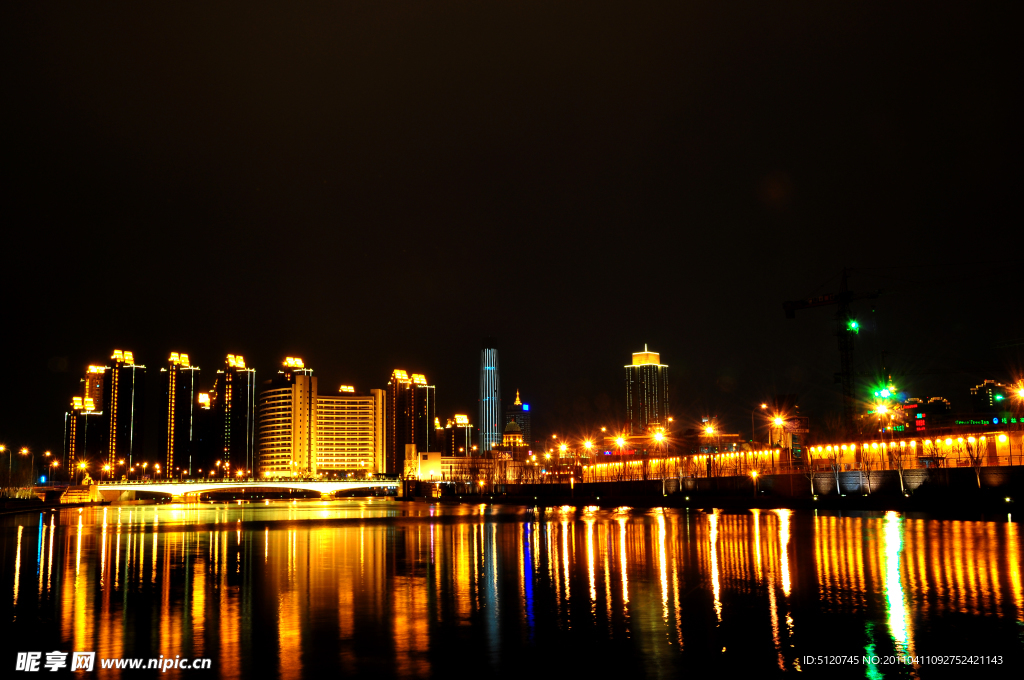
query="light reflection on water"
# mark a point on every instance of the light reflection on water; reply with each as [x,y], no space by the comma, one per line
[379,587]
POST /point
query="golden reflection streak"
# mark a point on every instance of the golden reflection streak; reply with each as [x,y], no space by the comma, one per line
[757,543]
[606,530]
[266,544]
[590,562]
[78,550]
[662,558]
[49,559]
[1013,567]
[622,560]
[675,581]
[17,568]
[565,557]
[103,551]
[39,558]
[784,519]
[716,586]
[896,606]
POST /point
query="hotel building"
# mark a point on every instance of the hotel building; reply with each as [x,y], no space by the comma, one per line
[303,433]
[646,393]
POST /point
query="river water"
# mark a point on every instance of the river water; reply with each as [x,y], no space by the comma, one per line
[382,588]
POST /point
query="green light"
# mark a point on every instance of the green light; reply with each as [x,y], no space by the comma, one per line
[853,326]
[999,397]
[886,393]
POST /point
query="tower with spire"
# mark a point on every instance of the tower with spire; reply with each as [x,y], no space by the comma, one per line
[519,413]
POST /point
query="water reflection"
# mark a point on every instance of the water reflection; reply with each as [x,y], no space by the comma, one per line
[376,587]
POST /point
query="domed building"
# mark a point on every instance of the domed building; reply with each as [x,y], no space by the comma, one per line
[513,436]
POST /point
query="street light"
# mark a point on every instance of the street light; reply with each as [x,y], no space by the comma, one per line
[10,456]
[25,452]
[753,473]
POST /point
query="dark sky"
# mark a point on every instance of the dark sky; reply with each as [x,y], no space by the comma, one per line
[371,185]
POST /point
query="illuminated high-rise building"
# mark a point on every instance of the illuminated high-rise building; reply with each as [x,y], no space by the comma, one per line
[124,389]
[400,414]
[424,413]
[180,431]
[287,422]
[349,433]
[458,440]
[646,393]
[233,402]
[84,433]
[519,413]
[490,423]
[303,433]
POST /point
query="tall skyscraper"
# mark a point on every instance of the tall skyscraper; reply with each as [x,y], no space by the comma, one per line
[124,389]
[400,415]
[646,393]
[180,432]
[234,414]
[85,426]
[490,396]
[424,413]
[519,413]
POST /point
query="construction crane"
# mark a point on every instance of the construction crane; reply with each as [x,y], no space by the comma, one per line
[847,328]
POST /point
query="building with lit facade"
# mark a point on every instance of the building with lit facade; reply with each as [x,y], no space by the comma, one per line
[85,426]
[646,393]
[991,397]
[287,422]
[233,403]
[350,433]
[124,390]
[303,433]
[180,431]
[458,436]
[519,413]
[400,414]
[424,403]
[490,422]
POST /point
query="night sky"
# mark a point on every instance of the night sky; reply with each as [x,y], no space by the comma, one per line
[378,185]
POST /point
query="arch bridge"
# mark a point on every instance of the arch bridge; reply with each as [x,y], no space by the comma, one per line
[186,491]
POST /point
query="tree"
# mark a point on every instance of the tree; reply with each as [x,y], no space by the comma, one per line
[975,449]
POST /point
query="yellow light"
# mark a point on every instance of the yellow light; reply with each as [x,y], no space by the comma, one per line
[351,388]
[419,379]
[970,439]
[588,444]
[562,448]
[620,442]
[1002,438]
[753,473]
[709,430]
[882,408]
[778,421]
[949,442]
[658,436]
[461,420]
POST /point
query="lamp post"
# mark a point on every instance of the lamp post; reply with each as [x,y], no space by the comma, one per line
[25,452]
[753,430]
[753,473]
[9,455]
[54,465]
